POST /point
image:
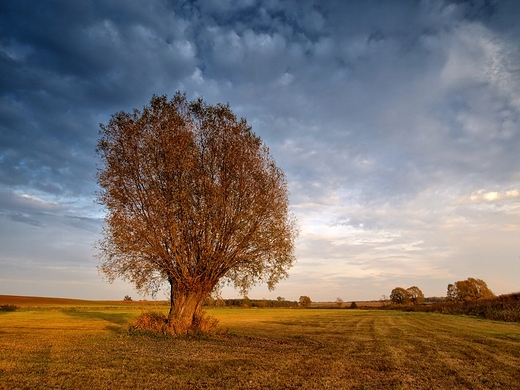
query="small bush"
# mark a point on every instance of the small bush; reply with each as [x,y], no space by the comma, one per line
[353,305]
[8,307]
[150,323]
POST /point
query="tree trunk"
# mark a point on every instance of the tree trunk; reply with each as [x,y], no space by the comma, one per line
[186,309]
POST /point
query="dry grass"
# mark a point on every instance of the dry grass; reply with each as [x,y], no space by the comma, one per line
[263,349]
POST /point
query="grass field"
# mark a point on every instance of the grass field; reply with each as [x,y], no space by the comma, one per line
[89,347]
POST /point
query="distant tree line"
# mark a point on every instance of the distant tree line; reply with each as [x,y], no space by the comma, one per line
[502,308]
[470,289]
[470,297]
[246,302]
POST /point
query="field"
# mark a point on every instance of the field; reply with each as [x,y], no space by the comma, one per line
[86,345]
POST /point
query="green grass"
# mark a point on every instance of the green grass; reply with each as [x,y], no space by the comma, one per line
[90,348]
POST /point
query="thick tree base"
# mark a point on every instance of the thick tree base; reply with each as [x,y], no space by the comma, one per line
[186,314]
[158,324]
[202,323]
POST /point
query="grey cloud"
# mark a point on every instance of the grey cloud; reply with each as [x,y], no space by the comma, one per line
[63,62]
[31,210]
[23,218]
[92,225]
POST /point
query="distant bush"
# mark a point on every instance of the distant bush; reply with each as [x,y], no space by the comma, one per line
[353,305]
[8,307]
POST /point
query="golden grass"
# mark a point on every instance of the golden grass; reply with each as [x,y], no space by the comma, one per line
[263,349]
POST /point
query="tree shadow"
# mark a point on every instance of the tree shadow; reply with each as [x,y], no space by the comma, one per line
[115,318]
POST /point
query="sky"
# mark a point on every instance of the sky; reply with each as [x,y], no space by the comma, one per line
[396,123]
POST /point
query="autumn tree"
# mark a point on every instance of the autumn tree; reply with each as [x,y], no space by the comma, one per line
[468,290]
[193,199]
[304,301]
[451,293]
[339,301]
[415,295]
[399,296]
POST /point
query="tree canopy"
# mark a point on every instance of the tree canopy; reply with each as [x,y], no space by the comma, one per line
[304,301]
[468,290]
[193,199]
[415,295]
[399,296]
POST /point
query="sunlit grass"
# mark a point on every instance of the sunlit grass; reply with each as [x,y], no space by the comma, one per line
[263,348]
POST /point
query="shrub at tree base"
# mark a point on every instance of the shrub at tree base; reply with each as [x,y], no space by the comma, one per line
[205,324]
[150,322]
[156,324]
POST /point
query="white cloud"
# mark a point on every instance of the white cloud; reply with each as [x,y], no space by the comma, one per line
[494,196]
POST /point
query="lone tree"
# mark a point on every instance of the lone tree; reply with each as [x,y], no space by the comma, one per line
[468,290]
[415,295]
[193,199]
[304,301]
[400,296]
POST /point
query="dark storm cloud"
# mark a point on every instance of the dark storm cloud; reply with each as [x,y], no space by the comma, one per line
[65,66]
